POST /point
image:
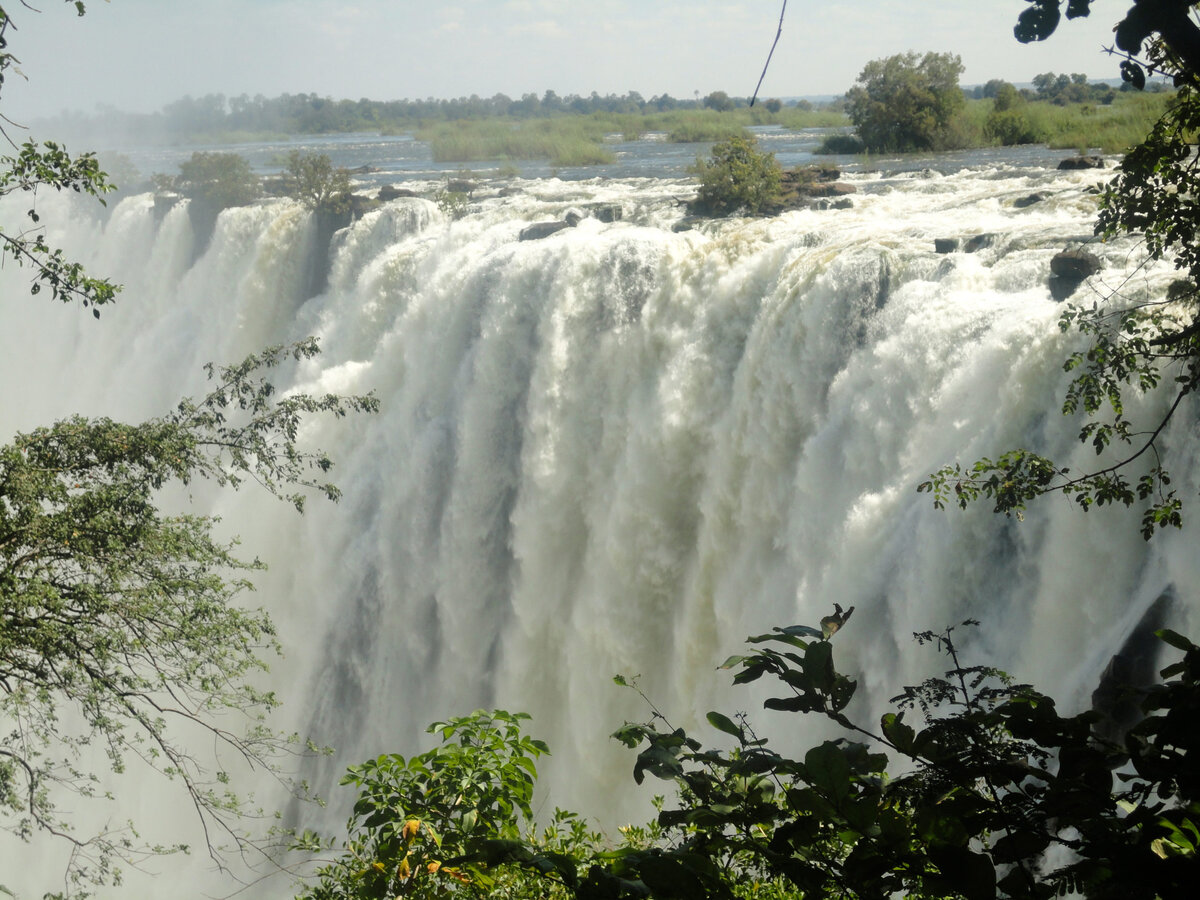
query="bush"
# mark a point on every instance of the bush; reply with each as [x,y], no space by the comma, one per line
[738,176]
[218,180]
[435,825]
[844,144]
[312,179]
[1012,126]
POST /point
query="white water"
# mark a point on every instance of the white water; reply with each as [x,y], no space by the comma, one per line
[622,449]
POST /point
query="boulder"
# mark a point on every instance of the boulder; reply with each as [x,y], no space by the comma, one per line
[391,192]
[1069,269]
[539,230]
[687,223]
[1077,264]
[979,241]
[1082,162]
[830,189]
[945,245]
[573,217]
[606,212]
[461,186]
[1031,199]
[826,203]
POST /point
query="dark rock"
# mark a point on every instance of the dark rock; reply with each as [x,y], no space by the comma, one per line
[391,192]
[1082,162]
[508,192]
[539,230]
[363,170]
[1031,199]
[830,189]
[826,203]
[1077,264]
[687,224]
[573,217]
[979,241]
[606,212]
[945,245]
[1069,269]
[461,186]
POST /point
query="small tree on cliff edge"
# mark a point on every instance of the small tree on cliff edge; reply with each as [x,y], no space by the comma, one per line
[906,102]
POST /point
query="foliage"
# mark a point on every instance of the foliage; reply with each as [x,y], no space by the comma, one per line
[218,180]
[437,824]
[118,626]
[906,102]
[738,177]
[312,179]
[997,794]
[49,166]
[120,639]
[1131,346]
[453,204]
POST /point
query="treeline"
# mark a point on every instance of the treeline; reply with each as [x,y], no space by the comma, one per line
[213,115]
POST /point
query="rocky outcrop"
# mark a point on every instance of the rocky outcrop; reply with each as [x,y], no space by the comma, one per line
[461,186]
[602,212]
[539,230]
[1069,269]
[945,245]
[1082,162]
[1031,199]
[979,241]
[391,192]
[605,212]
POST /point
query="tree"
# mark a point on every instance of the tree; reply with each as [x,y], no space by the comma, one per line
[736,177]
[719,101]
[906,102]
[1130,345]
[314,181]
[218,180]
[119,625]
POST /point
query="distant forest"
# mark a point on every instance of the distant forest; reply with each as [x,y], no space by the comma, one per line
[217,116]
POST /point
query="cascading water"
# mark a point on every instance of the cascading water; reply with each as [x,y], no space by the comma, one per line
[623,449]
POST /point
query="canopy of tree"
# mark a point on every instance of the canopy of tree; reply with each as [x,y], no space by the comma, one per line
[906,102]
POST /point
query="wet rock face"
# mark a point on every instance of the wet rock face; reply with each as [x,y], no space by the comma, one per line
[1031,199]
[1082,162]
[539,230]
[1069,269]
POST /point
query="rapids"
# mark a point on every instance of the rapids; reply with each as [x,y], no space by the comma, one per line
[622,449]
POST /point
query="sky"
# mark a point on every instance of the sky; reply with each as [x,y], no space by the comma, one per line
[139,55]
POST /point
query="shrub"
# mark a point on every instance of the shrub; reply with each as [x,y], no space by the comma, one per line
[312,179]
[738,176]
[845,144]
[218,180]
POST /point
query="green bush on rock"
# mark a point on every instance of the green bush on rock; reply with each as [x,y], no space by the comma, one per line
[737,178]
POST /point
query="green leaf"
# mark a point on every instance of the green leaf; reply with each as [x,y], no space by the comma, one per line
[724,723]
[1176,640]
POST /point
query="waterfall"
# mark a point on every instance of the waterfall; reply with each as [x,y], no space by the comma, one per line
[623,448]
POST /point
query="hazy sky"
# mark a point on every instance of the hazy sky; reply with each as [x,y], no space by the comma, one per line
[138,55]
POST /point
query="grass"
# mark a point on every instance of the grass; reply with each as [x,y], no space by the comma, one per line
[561,141]
[1111,129]
[570,140]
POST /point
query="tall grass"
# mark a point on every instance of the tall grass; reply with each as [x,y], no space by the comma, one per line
[1111,129]
[561,141]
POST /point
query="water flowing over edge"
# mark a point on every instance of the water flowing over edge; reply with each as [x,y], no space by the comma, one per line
[623,448]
